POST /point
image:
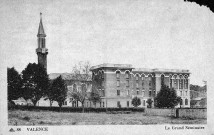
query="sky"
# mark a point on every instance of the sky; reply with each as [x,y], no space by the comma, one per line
[170,34]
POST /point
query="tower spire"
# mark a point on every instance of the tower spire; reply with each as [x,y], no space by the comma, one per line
[41,31]
[42,51]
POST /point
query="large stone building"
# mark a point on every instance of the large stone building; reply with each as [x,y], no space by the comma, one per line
[119,83]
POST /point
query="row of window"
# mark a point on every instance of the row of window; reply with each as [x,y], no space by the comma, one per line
[138,92]
[128,103]
[179,83]
[137,84]
[182,93]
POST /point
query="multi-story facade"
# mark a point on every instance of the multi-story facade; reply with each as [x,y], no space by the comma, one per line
[119,83]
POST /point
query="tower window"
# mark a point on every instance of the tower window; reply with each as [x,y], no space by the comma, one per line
[118,92]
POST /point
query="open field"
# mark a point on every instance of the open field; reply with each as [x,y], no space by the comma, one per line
[18,117]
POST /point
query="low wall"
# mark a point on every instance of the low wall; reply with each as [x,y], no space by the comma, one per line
[160,112]
[179,112]
[192,113]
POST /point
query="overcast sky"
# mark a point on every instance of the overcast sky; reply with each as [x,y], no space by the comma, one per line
[145,33]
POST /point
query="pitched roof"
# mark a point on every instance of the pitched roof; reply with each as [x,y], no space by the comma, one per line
[70,76]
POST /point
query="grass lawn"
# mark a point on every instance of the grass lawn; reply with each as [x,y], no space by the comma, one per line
[18,117]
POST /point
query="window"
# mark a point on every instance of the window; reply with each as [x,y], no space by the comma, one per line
[154,92]
[118,74]
[181,102]
[137,85]
[127,103]
[103,104]
[170,84]
[144,103]
[118,92]
[127,75]
[150,93]
[143,93]
[137,92]
[103,92]
[186,83]
[150,84]
[127,92]
[118,104]
[100,104]
[127,83]
[137,77]
[175,84]
[186,101]
[118,83]
[162,79]
[143,78]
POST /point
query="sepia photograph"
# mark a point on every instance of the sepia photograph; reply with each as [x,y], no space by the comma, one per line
[106,63]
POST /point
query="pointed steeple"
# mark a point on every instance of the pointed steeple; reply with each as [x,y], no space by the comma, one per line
[41,31]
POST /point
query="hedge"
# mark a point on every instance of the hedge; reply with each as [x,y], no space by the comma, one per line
[76,109]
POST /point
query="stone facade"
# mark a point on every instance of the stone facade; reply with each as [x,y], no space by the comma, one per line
[119,83]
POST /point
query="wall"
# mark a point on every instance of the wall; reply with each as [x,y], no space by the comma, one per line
[161,112]
[181,112]
[193,113]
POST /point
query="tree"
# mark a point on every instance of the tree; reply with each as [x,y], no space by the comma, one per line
[13,84]
[35,82]
[58,91]
[136,101]
[49,94]
[81,97]
[94,97]
[166,97]
[149,102]
[81,73]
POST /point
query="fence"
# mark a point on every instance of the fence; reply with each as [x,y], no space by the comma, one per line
[179,112]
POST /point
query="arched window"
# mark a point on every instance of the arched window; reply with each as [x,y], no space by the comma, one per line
[118,74]
[127,75]
[137,77]
[186,101]
[74,88]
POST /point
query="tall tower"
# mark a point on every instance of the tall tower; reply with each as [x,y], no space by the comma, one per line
[42,51]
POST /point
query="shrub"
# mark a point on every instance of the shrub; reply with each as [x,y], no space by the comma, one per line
[136,102]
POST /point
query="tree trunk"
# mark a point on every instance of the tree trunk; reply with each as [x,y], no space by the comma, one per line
[51,103]
[83,108]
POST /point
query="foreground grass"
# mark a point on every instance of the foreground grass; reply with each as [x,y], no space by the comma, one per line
[18,117]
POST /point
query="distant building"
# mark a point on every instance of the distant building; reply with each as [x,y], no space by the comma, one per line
[119,83]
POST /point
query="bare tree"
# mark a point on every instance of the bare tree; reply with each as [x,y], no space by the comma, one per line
[81,73]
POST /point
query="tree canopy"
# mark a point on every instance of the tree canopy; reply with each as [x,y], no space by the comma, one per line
[13,84]
[166,98]
[35,82]
[136,102]
[58,90]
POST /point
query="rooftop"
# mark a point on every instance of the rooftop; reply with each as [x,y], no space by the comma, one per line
[108,65]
